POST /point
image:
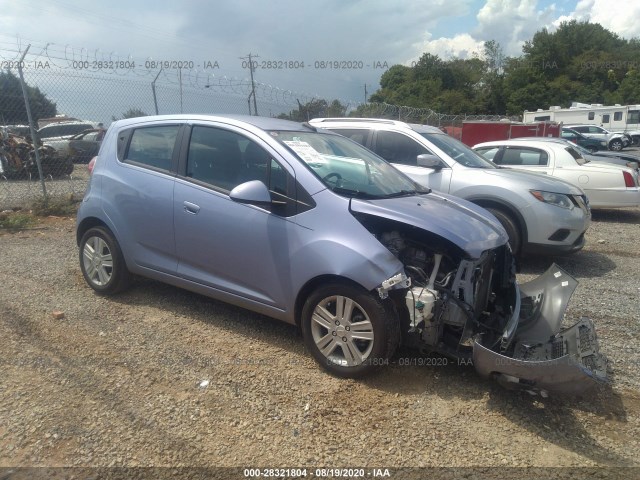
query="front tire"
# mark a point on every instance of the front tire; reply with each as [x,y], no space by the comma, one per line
[515,238]
[615,145]
[350,332]
[102,262]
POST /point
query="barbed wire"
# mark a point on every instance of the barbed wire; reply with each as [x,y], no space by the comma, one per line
[70,58]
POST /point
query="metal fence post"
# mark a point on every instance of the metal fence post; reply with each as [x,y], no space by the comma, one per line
[34,137]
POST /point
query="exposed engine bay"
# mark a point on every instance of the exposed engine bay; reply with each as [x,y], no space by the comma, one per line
[451,299]
[474,309]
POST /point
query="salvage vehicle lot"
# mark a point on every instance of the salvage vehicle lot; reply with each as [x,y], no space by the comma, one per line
[123,380]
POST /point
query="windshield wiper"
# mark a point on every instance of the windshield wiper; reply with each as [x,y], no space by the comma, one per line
[354,193]
[406,193]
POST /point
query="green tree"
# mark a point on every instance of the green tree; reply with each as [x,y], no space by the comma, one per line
[315,108]
[133,112]
[12,107]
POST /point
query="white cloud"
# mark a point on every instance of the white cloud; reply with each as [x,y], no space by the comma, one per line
[509,22]
[619,17]
[459,46]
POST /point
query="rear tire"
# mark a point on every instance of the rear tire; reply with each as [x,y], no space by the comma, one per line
[507,222]
[102,262]
[350,332]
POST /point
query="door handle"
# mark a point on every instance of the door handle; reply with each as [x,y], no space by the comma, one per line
[191,208]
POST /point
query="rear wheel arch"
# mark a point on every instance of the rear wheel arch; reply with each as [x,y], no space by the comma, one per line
[88,223]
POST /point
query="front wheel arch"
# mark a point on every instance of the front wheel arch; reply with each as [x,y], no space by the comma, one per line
[511,212]
[348,330]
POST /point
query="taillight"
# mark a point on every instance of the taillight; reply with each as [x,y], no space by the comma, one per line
[92,164]
[629,182]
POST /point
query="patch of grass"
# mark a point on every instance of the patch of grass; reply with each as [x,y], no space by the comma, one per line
[16,221]
[56,206]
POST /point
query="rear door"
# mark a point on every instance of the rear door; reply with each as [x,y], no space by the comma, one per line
[138,193]
[525,158]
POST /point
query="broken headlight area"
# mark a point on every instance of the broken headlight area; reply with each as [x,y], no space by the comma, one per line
[473,309]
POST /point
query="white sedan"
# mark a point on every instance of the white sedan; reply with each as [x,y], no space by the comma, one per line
[606,186]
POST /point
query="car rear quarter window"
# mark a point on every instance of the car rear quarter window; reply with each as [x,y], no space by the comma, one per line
[576,155]
[152,146]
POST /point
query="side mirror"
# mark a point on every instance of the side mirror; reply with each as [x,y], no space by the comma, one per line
[253,192]
[429,161]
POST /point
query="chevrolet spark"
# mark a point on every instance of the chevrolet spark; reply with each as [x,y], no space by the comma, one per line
[309,227]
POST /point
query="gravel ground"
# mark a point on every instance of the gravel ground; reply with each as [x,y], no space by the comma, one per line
[122,381]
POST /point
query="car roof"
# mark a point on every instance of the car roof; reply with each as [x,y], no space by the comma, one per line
[263,123]
[325,122]
[544,139]
[516,141]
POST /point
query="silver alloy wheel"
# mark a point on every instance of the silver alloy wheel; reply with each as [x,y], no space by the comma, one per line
[342,331]
[97,261]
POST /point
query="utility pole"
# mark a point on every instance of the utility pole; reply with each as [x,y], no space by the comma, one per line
[153,89]
[365,93]
[253,85]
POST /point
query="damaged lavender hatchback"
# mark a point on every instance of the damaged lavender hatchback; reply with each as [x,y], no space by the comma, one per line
[310,228]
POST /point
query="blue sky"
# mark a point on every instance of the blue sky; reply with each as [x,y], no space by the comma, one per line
[364,35]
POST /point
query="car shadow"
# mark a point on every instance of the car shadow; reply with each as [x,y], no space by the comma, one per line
[180,302]
[554,419]
[616,215]
[583,264]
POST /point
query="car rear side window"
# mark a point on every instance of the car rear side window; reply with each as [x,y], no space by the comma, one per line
[357,135]
[153,146]
[488,152]
[524,157]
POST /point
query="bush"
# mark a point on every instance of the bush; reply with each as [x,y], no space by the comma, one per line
[56,206]
[16,220]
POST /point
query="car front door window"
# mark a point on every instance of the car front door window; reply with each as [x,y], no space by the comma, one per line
[398,148]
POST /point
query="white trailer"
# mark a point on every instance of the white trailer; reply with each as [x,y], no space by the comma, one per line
[615,118]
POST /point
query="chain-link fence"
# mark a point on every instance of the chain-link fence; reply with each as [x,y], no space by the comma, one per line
[71,100]
[423,116]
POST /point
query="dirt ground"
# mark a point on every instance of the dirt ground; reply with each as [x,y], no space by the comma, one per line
[160,377]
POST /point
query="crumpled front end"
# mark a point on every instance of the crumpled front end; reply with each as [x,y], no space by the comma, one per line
[540,356]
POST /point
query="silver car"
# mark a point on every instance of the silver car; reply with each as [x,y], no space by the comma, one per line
[542,215]
[311,228]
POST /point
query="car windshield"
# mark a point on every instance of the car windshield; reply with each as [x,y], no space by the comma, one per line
[346,167]
[458,151]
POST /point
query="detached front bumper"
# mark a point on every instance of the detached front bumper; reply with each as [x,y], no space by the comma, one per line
[542,357]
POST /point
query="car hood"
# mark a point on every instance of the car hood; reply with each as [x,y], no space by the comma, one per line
[532,180]
[466,225]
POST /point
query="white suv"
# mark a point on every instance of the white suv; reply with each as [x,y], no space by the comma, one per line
[542,215]
[616,141]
